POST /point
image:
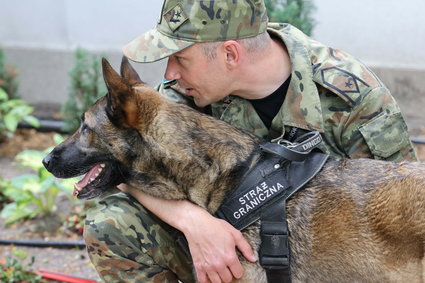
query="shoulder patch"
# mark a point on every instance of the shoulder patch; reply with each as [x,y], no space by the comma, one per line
[347,85]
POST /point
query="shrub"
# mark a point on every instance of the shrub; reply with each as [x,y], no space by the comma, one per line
[8,77]
[294,12]
[86,86]
[14,271]
[13,111]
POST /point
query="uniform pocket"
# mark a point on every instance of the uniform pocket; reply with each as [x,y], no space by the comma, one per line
[386,134]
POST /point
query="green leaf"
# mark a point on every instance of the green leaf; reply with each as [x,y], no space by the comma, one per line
[32,121]
[67,185]
[3,94]
[58,139]
[47,184]
[13,213]
[17,194]
[21,254]
[10,122]
[27,182]
[30,158]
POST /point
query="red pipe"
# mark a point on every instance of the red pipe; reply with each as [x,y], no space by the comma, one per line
[62,277]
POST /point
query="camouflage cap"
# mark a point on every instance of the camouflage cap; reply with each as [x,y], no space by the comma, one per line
[185,22]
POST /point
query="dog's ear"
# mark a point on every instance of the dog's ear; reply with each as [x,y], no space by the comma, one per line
[121,102]
[128,72]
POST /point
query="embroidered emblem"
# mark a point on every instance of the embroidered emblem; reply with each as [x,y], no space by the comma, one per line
[175,17]
[345,83]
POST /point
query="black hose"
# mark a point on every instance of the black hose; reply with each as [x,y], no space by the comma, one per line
[45,126]
[45,244]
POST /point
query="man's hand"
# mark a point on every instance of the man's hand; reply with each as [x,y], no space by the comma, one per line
[212,241]
[212,244]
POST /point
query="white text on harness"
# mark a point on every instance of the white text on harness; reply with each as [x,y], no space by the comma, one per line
[256,197]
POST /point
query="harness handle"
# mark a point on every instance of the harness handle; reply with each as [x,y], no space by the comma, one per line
[297,150]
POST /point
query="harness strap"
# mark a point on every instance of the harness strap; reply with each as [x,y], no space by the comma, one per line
[274,251]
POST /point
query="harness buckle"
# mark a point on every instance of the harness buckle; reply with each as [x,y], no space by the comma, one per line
[286,143]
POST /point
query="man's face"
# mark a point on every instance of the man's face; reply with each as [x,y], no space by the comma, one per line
[199,77]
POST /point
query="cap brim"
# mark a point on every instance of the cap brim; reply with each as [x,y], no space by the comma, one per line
[153,46]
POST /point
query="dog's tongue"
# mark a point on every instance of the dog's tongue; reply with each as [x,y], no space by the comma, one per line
[91,174]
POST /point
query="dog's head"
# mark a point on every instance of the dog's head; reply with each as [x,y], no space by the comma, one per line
[106,143]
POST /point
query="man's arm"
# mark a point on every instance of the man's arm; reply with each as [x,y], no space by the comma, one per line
[212,241]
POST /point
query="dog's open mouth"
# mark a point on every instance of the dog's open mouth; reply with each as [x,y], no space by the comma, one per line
[91,181]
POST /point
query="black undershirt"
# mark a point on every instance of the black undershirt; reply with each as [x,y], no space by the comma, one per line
[268,107]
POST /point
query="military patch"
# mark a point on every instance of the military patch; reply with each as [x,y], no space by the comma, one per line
[175,17]
[345,83]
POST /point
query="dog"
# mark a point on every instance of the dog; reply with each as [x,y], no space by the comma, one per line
[356,221]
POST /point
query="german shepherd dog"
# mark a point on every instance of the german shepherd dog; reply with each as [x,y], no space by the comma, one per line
[356,221]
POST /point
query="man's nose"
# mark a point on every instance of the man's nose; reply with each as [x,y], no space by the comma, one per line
[171,72]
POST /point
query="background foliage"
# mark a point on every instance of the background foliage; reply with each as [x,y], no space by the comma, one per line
[86,86]
[13,111]
[8,77]
[295,12]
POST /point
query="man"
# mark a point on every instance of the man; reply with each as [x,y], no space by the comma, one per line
[269,79]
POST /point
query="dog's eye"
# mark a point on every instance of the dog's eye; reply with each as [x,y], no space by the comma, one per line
[84,129]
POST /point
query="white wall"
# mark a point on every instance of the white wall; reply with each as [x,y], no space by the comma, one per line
[384,33]
[65,24]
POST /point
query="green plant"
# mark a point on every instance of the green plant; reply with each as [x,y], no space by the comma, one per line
[74,222]
[35,194]
[86,86]
[13,270]
[3,199]
[13,111]
[294,12]
[8,77]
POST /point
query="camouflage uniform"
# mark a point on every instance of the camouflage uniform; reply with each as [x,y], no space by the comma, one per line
[330,91]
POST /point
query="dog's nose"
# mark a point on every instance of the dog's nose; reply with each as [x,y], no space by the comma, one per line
[46,161]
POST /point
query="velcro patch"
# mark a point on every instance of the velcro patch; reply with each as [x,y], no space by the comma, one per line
[175,17]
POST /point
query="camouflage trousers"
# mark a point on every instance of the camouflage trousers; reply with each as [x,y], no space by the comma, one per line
[127,243]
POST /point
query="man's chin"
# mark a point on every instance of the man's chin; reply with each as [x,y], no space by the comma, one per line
[200,103]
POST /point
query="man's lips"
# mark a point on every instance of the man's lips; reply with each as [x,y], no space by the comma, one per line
[189,91]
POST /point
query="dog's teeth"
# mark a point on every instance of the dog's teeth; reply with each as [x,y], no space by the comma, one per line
[102,165]
[92,179]
[77,187]
[96,175]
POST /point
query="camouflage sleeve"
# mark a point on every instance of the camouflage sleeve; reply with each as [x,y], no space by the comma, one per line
[376,129]
[169,90]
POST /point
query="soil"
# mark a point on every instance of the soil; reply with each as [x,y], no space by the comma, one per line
[71,261]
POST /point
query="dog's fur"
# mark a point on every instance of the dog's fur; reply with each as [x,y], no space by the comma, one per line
[356,221]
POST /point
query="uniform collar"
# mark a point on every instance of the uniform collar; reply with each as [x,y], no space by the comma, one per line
[302,107]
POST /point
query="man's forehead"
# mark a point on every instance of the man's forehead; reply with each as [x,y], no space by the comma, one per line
[187,51]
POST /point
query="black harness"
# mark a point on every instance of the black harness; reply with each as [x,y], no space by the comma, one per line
[282,170]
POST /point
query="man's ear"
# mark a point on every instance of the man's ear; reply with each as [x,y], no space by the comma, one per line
[232,51]
[121,105]
[128,72]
